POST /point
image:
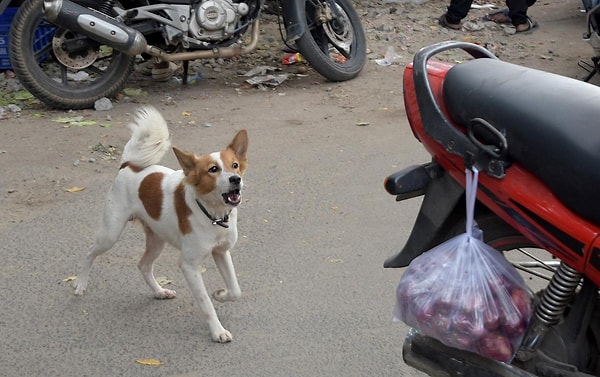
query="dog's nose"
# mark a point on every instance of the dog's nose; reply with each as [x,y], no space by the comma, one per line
[235,179]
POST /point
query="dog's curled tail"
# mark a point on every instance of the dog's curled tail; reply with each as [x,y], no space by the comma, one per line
[150,138]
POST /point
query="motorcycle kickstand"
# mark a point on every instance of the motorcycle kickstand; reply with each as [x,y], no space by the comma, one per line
[186,67]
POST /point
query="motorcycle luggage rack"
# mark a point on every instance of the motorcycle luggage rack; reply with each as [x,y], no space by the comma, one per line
[436,124]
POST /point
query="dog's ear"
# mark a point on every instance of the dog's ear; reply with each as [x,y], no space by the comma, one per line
[186,160]
[239,145]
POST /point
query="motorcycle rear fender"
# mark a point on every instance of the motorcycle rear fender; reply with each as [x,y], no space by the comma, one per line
[294,19]
[440,210]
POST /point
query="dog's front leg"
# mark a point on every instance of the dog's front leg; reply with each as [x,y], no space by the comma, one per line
[191,271]
[232,289]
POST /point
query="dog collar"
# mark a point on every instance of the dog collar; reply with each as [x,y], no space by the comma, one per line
[220,222]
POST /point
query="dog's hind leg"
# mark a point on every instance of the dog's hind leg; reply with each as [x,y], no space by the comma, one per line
[232,290]
[154,246]
[113,222]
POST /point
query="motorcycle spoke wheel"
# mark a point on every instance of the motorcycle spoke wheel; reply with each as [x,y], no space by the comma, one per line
[60,78]
[335,43]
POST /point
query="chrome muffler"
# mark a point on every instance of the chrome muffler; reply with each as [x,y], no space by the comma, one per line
[95,25]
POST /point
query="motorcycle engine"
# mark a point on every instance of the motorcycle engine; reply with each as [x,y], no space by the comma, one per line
[216,20]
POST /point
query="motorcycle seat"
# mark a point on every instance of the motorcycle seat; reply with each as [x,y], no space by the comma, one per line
[551,124]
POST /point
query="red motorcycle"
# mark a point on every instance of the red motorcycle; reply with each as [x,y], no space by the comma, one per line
[535,139]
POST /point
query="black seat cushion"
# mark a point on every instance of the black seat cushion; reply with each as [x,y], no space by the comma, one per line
[551,122]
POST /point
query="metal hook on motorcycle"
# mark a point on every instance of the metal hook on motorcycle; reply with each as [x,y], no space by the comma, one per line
[499,146]
[494,147]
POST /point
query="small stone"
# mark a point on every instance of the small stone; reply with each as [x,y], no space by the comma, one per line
[103,104]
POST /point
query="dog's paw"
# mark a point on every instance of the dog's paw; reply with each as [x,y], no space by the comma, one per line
[165,294]
[79,287]
[223,295]
[222,336]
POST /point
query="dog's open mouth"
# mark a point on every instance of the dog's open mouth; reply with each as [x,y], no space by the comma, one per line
[233,197]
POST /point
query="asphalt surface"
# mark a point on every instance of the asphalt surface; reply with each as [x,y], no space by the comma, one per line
[315,227]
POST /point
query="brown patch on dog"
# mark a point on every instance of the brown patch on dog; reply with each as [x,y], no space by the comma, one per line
[239,147]
[229,159]
[134,168]
[203,180]
[197,171]
[183,211]
[151,195]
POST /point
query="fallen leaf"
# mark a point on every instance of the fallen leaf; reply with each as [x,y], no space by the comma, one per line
[162,281]
[75,189]
[84,123]
[186,114]
[70,278]
[151,362]
[68,119]
[23,95]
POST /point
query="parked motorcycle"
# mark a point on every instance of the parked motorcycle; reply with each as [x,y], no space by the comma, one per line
[534,136]
[103,38]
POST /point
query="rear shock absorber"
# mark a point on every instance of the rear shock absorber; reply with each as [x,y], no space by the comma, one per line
[555,299]
[107,7]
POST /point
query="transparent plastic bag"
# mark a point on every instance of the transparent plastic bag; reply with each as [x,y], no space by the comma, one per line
[465,294]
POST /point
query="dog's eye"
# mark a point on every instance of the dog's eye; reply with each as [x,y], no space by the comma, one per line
[213,169]
[235,165]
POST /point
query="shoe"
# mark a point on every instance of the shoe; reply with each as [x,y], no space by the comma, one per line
[531,26]
[146,67]
[444,23]
[499,16]
[163,70]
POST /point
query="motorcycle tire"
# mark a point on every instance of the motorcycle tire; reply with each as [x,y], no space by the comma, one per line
[337,50]
[104,70]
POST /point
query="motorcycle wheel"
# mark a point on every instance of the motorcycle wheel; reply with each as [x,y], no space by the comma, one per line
[54,76]
[336,48]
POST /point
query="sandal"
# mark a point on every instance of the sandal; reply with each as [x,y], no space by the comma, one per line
[499,16]
[531,26]
[444,23]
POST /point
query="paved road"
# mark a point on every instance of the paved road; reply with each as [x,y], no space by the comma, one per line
[315,228]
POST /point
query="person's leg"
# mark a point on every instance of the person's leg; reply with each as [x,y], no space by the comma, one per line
[518,14]
[457,10]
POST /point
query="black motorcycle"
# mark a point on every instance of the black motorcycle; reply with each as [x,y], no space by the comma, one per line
[100,40]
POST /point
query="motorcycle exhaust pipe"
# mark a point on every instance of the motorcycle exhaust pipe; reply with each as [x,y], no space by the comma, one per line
[95,25]
[219,52]
[436,359]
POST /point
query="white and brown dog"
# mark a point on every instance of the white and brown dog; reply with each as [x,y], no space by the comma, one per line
[194,209]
